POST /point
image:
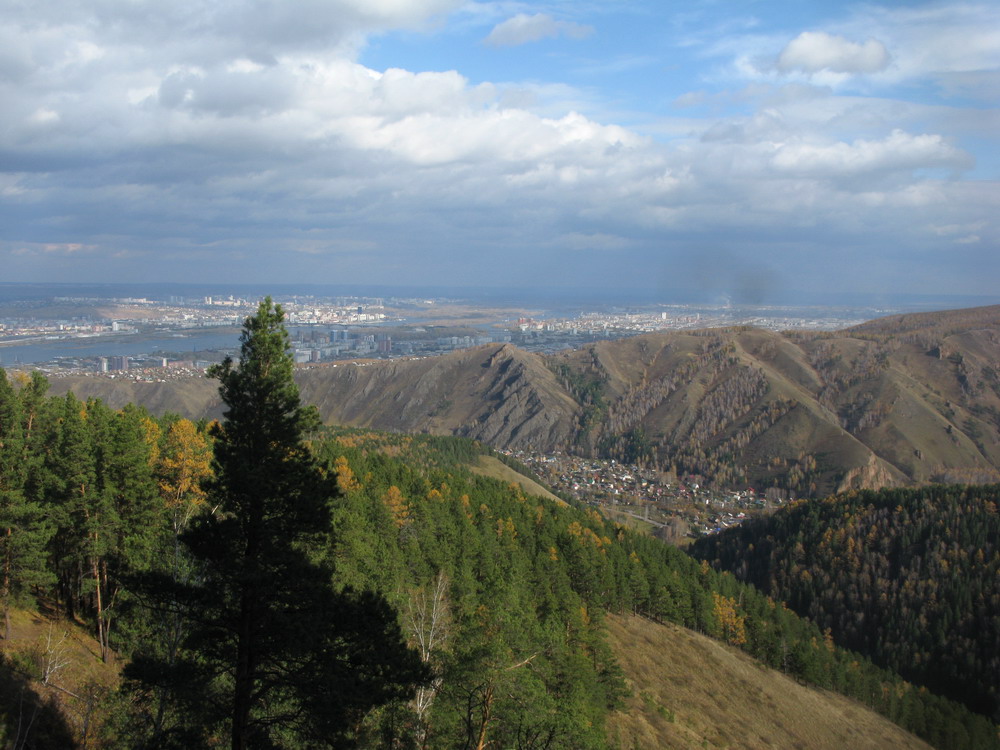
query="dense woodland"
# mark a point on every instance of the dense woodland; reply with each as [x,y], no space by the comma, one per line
[417,606]
[909,577]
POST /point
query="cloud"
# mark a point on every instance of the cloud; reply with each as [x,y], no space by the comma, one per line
[956,45]
[943,38]
[898,151]
[167,143]
[969,232]
[690,99]
[524,28]
[950,229]
[54,249]
[814,51]
[595,241]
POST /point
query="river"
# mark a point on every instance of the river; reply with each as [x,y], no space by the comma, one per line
[113,345]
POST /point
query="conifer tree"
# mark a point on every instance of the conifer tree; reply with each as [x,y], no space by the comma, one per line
[70,490]
[125,522]
[24,531]
[277,655]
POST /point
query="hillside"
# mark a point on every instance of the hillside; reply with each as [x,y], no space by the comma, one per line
[898,401]
[54,689]
[490,466]
[939,322]
[569,559]
[686,689]
[506,592]
[689,691]
[909,577]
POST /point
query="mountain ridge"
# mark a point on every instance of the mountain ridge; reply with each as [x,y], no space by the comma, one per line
[898,401]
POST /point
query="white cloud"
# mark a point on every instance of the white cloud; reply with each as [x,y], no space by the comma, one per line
[45,115]
[524,28]
[55,249]
[260,147]
[814,51]
[898,151]
[950,229]
[689,99]
[958,37]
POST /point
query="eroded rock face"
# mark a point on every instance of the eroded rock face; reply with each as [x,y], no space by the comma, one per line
[497,394]
[524,405]
[874,475]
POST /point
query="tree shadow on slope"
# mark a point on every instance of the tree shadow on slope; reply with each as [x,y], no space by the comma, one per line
[27,721]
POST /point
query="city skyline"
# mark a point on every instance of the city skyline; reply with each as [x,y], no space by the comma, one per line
[735,149]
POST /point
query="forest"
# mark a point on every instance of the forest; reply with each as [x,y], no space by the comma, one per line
[909,577]
[266,582]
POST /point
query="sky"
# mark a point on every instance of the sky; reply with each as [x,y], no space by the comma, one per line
[742,148]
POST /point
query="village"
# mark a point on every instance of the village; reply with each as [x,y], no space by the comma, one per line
[672,509]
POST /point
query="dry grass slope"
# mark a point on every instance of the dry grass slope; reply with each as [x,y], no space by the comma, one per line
[488,466]
[60,663]
[692,692]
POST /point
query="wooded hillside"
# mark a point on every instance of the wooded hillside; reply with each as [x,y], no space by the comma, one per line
[909,577]
[502,593]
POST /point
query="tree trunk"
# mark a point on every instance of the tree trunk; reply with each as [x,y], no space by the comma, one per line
[108,603]
[6,588]
[485,720]
[243,689]
[95,567]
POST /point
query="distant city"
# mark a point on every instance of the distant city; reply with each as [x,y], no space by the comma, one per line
[89,330]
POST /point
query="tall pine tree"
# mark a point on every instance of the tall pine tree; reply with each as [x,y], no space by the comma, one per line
[24,530]
[276,653]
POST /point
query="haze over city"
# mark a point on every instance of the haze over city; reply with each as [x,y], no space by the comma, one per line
[738,149]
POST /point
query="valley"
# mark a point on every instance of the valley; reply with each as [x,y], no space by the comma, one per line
[899,401]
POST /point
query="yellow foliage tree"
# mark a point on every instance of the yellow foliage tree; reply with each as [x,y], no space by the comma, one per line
[152,433]
[345,477]
[397,505]
[184,462]
[731,622]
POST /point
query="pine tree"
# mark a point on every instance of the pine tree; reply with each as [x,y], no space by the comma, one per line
[281,656]
[68,480]
[126,521]
[24,531]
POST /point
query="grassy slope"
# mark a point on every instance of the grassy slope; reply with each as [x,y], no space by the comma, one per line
[488,466]
[690,691]
[76,686]
[193,397]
